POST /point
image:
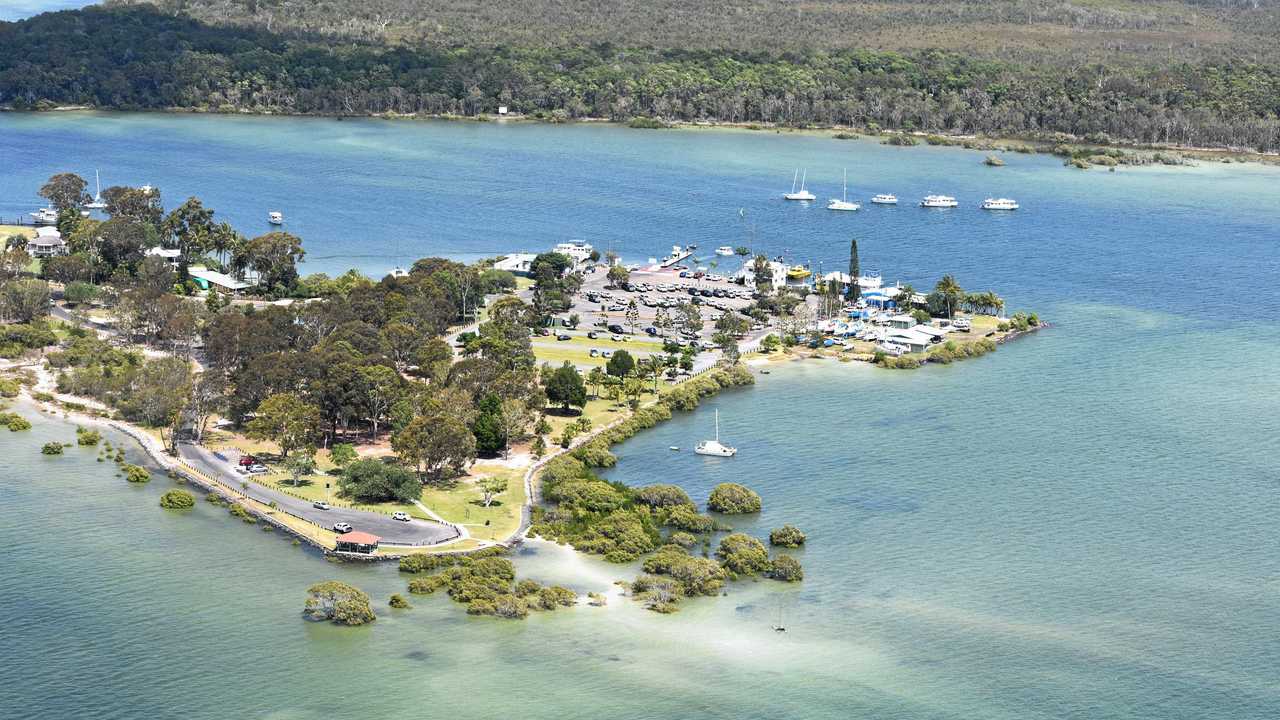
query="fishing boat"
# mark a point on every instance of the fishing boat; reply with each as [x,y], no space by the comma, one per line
[885,199]
[275,218]
[724,250]
[939,201]
[999,204]
[801,194]
[843,203]
[98,203]
[798,272]
[713,447]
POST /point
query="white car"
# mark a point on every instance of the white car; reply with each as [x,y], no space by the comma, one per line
[400,515]
[342,527]
[320,505]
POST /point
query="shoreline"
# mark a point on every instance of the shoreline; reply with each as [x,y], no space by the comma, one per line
[980,143]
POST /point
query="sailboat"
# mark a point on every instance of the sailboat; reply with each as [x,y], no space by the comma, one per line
[843,203]
[98,203]
[713,447]
[801,194]
[779,626]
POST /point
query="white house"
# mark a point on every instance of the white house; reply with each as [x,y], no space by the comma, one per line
[578,250]
[48,242]
[170,254]
[913,339]
[516,263]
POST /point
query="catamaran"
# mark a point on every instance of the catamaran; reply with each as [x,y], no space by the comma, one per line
[999,204]
[713,447]
[800,194]
[885,199]
[939,201]
[843,203]
[98,203]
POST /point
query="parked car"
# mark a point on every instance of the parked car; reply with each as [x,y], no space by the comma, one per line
[247,460]
[342,527]
[593,335]
[400,515]
[594,352]
[616,328]
[651,330]
[258,469]
[562,337]
[320,505]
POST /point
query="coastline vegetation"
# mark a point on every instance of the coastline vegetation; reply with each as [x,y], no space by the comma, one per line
[177,500]
[338,603]
[788,536]
[485,582]
[733,499]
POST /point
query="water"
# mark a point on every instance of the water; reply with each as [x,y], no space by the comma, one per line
[19,9]
[1078,526]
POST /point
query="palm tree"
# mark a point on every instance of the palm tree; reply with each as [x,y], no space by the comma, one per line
[950,289]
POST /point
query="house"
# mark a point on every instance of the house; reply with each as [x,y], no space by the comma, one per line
[212,280]
[579,251]
[357,542]
[48,242]
[916,341]
[901,322]
[516,263]
[170,254]
[502,109]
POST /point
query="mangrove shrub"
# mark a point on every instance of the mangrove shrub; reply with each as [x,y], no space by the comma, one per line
[742,554]
[733,499]
[787,536]
[339,603]
[177,500]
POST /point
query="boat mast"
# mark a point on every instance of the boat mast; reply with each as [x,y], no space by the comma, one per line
[845,194]
[804,177]
[794,175]
[717,425]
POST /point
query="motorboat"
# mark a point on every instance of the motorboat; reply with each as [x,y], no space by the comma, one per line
[843,203]
[275,218]
[45,216]
[999,204]
[713,447]
[939,201]
[98,203]
[801,194]
[885,199]
[724,250]
[798,272]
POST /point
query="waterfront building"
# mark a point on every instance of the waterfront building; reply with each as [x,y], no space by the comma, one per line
[48,242]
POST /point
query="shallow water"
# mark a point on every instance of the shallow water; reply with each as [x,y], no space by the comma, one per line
[1080,525]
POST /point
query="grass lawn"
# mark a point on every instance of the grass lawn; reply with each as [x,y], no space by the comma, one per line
[463,504]
[599,411]
[7,231]
[604,342]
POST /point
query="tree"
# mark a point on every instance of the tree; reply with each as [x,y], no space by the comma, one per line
[301,464]
[439,446]
[633,315]
[905,298]
[565,387]
[140,205]
[381,386]
[66,191]
[618,276]
[515,417]
[493,485]
[372,480]
[787,536]
[342,454]
[690,318]
[620,364]
[733,499]
[286,420]
[191,228]
[662,321]
[120,243]
[159,393]
[487,427]
[950,293]
[22,301]
[762,273]
[339,603]
[595,379]
[742,554]
[208,395]
[274,257]
[854,290]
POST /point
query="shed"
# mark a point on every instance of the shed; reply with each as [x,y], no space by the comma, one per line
[917,341]
[358,542]
[209,279]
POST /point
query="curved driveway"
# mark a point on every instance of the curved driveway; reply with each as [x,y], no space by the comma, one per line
[414,532]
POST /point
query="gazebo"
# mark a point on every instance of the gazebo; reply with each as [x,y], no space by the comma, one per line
[358,542]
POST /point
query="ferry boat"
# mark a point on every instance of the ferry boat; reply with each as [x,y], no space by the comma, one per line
[999,204]
[45,216]
[801,194]
[885,199]
[939,201]
[724,250]
[843,203]
[275,218]
[713,447]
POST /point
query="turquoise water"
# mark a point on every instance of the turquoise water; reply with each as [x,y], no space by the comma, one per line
[19,9]
[1081,525]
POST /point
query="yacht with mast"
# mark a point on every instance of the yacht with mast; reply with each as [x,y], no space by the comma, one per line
[801,194]
[98,203]
[713,447]
[843,203]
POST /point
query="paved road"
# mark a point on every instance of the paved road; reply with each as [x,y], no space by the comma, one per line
[415,531]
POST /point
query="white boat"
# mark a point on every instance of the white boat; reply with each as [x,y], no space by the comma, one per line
[999,204]
[843,203]
[275,218]
[724,250]
[885,199]
[800,194]
[939,201]
[98,203]
[45,216]
[713,447]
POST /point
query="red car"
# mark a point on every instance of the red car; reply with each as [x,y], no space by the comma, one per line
[248,460]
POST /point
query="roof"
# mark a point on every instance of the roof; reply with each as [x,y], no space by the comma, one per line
[217,278]
[48,231]
[164,252]
[355,537]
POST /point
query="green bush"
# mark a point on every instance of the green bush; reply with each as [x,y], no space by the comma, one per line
[733,499]
[9,387]
[136,474]
[786,569]
[742,554]
[339,603]
[660,495]
[87,438]
[177,500]
[398,601]
[687,517]
[52,448]
[14,422]
[787,536]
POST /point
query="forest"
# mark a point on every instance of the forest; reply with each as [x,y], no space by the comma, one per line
[138,57]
